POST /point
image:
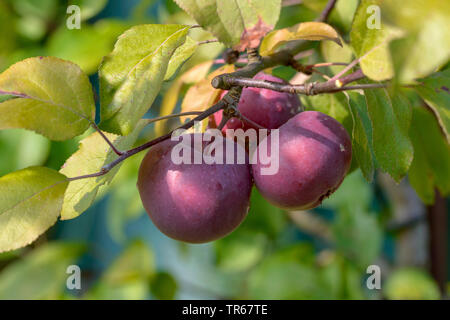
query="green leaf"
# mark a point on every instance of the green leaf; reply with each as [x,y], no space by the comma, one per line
[124,203]
[86,46]
[287,274]
[44,9]
[240,251]
[358,236]
[205,13]
[128,276]
[430,167]
[356,230]
[24,149]
[315,31]
[89,8]
[372,43]
[426,45]
[163,286]
[92,155]
[334,105]
[247,21]
[131,76]
[361,134]
[411,284]
[54,98]
[435,90]
[342,15]
[264,217]
[30,203]
[332,52]
[391,118]
[180,56]
[341,279]
[41,274]
[354,194]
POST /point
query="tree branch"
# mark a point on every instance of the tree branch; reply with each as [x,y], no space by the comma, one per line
[326,12]
[207,41]
[116,151]
[311,88]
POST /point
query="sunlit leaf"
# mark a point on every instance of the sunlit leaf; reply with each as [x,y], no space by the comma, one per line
[370,42]
[332,52]
[131,76]
[180,56]
[41,274]
[205,13]
[54,98]
[92,155]
[426,45]
[247,21]
[314,31]
[30,203]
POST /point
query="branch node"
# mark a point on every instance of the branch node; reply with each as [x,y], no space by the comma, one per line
[253,55]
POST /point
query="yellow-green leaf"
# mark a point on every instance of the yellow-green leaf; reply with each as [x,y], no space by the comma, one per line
[92,155]
[53,97]
[248,21]
[426,45]
[314,31]
[131,76]
[30,203]
[205,13]
[370,42]
[180,56]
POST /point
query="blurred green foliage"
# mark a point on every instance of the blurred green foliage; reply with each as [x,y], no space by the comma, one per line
[268,256]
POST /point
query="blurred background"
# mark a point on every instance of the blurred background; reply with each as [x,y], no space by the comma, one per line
[319,254]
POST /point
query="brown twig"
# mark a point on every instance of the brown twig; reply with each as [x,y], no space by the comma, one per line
[227,99]
[326,12]
[207,41]
[116,151]
[312,88]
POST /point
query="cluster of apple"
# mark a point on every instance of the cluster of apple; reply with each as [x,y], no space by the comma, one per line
[198,203]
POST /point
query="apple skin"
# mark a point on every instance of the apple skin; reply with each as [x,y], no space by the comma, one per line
[315,153]
[194,203]
[268,108]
